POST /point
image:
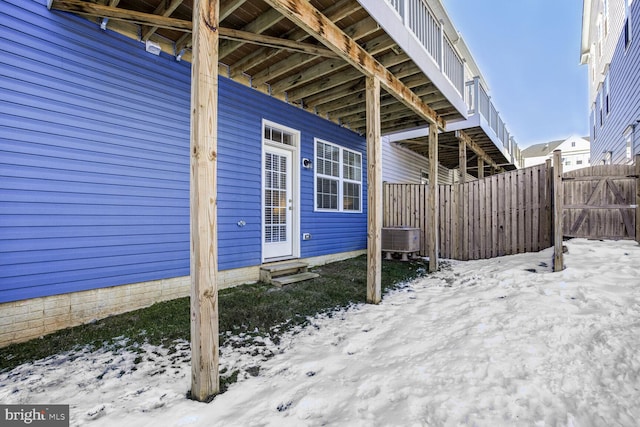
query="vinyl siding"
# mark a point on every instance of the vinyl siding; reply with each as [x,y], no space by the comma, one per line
[94,161]
[624,99]
[403,166]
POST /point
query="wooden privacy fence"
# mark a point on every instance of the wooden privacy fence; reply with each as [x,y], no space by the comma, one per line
[600,202]
[499,215]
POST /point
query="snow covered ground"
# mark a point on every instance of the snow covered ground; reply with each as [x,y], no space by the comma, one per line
[489,343]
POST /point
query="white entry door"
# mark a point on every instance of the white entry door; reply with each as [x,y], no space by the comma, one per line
[277,203]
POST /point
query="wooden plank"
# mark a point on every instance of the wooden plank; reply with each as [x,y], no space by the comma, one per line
[494,216]
[275,42]
[558,192]
[462,160]
[205,380]
[164,10]
[455,221]
[637,172]
[535,213]
[303,14]
[480,168]
[547,213]
[514,212]
[521,212]
[590,202]
[465,221]
[626,218]
[433,199]
[501,197]
[374,192]
[482,215]
[126,15]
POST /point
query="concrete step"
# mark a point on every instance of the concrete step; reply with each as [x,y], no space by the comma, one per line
[294,278]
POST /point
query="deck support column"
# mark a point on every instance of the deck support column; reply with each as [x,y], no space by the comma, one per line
[462,158]
[374,192]
[434,210]
[480,168]
[203,200]
[558,199]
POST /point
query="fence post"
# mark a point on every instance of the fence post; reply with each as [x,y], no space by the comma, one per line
[637,164]
[558,196]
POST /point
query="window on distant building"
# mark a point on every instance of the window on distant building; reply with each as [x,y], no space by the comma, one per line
[424,176]
[605,11]
[600,34]
[627,23]
[627,135]
[600,107]
[606,93]
[567,163]
[578,162]
[573,143]
[338,178]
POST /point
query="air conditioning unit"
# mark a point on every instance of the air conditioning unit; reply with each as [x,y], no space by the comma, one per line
[402,240]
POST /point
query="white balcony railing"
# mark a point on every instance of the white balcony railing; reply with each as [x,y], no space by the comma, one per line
[478,102]
[423,23]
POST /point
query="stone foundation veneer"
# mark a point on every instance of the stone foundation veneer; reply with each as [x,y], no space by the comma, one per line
[27,319]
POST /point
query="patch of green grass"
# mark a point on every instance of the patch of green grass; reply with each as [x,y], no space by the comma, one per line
[257,309]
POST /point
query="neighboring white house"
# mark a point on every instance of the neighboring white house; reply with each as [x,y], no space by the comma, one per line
[575,152]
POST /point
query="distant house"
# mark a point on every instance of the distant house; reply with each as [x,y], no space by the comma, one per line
[611,48]
[575,152]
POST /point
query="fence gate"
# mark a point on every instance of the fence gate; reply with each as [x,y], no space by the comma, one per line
[599,202]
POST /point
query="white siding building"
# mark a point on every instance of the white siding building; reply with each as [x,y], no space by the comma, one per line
[575,152]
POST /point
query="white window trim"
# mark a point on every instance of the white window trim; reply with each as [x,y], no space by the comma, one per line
[341,180]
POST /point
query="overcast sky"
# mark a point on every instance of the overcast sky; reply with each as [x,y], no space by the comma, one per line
[529,53]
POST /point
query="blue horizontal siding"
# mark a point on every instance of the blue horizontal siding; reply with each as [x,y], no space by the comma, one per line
[94,161]
[624,99]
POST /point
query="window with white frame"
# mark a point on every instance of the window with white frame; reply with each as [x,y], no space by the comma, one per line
[628,139]
[606,93]
[627,23]
[600,107]
[338,178]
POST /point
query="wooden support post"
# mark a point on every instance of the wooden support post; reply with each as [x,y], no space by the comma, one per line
[204,250]
[480,168]
[374,192]
[558,198]
[637,164]
[462,160]
[433,199]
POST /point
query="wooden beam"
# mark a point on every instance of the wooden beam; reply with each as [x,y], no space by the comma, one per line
[257,26]
[433,226]
[227,8]
[462,159]
[335,12]
[374,192]
[147,32]
[275,42]
[303,14]
[558,210]
[205,380]
[480,167]
[115,13]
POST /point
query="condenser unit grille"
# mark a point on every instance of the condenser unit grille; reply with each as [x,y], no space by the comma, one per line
[400,239]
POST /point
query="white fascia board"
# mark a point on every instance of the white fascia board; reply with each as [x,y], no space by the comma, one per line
[392,24]
[585,45]
[408,134]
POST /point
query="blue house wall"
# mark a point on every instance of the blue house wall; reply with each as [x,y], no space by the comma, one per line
[624,100]
[94,161]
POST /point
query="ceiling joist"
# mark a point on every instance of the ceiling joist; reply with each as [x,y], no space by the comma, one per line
[303,14]
[159,21]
